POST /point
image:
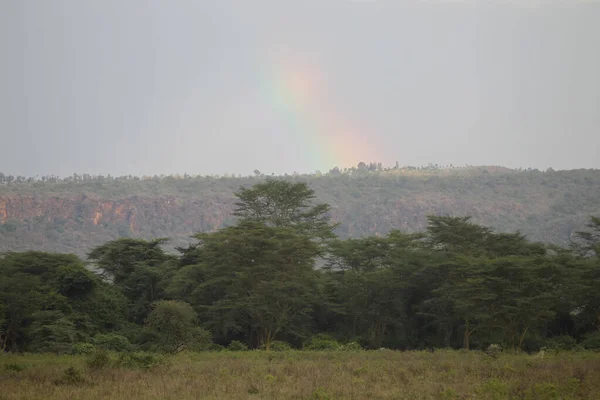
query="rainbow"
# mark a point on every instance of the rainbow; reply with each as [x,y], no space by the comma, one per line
[297,94]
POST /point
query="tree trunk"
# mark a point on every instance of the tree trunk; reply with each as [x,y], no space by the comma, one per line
[522,339]
[466,338]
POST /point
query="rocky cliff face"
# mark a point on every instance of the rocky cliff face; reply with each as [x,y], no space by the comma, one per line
[70,217]
[74,224]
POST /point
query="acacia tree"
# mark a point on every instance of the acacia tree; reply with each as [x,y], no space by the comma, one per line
[253,279]
[463,297]
[280,203]
[139,268]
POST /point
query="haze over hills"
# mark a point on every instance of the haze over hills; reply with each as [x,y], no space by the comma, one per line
[76,213]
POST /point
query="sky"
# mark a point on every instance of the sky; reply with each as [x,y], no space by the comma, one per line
[148,87]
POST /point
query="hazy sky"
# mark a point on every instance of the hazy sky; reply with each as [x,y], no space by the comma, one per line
[203,87]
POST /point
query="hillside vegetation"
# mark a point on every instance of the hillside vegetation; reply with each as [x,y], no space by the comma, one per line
[77,213]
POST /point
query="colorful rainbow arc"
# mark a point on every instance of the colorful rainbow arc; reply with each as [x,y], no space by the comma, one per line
[297,96]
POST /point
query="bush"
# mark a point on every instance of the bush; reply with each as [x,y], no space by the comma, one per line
[352,346]
[14,367]
[278,345]
[215,347]
[173,325]
[98,360]
[139,359]
[112,341]
[563,342]
[322,342]
[71,376]
[592,341]
[493,351]
[236,345]
[83,348]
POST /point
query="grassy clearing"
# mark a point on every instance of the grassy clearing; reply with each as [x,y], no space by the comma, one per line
[308,375]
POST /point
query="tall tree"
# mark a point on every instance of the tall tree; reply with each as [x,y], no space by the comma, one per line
[280,203]
[587,243]
[139,268]
[252,279]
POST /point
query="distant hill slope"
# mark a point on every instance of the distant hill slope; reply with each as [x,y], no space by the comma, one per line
[80,212]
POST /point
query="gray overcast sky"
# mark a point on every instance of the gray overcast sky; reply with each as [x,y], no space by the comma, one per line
[203,87]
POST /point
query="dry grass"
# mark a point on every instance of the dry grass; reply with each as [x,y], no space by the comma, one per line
[306,375]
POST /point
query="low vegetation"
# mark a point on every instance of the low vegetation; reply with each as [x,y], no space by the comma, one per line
[377,374]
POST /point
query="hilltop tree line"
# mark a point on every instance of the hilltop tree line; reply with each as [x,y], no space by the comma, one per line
[360,167]
[280,275]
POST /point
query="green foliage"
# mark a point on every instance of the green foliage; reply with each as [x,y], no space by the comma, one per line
[321,394]
[252,278]
[50,301]
[14,367]
[322,343]
[278,345]
[174,327]
[99,359]
[592,341]
[352,346]
[112,341]
[563,342]
[236,345]
[51,332]
[83,348]
[282,203]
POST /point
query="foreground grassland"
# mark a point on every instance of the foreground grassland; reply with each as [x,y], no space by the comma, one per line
[307,375]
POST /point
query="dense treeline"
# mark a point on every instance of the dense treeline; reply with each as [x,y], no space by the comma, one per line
[280,275]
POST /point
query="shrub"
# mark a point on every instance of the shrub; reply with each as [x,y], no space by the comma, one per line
[83,348]
[98,360]
[322,342]
[173,325]
[14,367]
[112,341]
[592,341]
[352,346]
[563,342]
[71,376]
[139,359]
[321,394]
[278,345]
[215,347]
[493,351]
[236,345]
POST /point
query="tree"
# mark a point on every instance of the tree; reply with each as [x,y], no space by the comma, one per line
[462,297]
[254,280]
[44,296]
[526,289]
[281,203]
[139,268]
[587,243]
[173,325]
[119,258]
[51,332]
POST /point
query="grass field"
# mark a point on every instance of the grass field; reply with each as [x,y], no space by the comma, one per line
[307,375]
